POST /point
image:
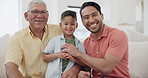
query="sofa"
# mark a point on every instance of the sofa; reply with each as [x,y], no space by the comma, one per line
[138,51]
[3,48]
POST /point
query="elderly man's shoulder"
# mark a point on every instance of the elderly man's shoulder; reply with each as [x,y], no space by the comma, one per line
[53,26]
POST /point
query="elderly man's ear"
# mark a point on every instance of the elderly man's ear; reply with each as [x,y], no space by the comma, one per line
[26,16]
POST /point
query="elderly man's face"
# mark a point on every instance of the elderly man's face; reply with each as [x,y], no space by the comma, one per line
[37,16]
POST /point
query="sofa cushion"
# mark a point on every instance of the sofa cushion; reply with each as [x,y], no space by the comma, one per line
[3,48]
[138,55]
[134,36]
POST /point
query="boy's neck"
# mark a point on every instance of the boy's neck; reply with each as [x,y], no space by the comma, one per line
[68,36]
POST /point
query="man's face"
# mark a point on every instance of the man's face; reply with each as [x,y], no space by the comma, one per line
[92,19]
[37,16]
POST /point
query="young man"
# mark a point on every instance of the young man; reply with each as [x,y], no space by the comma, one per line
[27,45]
[106,47]
[59,62]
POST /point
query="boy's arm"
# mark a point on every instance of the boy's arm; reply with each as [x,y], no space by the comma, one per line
[50,57]
[48,53]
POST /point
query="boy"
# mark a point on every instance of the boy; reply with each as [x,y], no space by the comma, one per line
[59,61]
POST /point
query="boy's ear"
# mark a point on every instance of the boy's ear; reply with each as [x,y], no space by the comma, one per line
[76,25]
[60,24]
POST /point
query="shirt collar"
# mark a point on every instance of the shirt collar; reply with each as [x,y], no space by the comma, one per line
[30,32]
[62,37]
[75,38]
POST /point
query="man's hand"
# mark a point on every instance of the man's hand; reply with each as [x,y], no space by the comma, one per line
[84,74]
[72,72]
[71,49]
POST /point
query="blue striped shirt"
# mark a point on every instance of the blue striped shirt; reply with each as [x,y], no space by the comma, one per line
[54,69]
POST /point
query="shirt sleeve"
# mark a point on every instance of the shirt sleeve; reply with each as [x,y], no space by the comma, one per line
[81,47]
[50,46]
[14,53]
[118,44]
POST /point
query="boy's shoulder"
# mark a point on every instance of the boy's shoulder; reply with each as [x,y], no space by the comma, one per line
[57,37]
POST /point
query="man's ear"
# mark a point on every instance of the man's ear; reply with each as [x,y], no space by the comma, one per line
[102,16]
[26,16]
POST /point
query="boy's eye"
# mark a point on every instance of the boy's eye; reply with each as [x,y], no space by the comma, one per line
[72,24]
[66,24]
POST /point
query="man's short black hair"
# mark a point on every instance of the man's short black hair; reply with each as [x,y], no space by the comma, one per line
[69,13]
[94,4]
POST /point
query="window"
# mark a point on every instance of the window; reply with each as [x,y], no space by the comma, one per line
[9,16]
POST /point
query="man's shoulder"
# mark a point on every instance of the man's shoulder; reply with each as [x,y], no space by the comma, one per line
[19,34]
[112,30]
[53,28]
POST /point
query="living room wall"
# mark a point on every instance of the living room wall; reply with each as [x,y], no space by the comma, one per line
[117,12]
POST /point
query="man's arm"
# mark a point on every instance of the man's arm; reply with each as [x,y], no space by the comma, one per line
[12,71]
[104,65]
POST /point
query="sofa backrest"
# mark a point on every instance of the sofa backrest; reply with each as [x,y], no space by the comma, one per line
[3,49]
[138,55]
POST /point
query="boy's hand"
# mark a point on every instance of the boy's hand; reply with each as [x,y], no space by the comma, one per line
[71,58]
[63,55]
[68,56]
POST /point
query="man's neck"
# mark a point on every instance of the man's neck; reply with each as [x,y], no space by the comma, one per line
[97,34]
[38,33]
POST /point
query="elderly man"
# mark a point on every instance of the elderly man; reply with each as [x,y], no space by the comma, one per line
[26,46]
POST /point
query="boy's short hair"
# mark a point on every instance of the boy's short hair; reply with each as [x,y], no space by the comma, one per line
[69,13]
[94,4]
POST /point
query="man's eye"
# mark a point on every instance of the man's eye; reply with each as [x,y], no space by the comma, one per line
[85,17]
[95,14]
[43,12]
[35,11]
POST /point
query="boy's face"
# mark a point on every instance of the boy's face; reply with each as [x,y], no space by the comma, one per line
[68,25]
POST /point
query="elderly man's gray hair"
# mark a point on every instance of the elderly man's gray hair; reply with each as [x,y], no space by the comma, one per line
[36,2]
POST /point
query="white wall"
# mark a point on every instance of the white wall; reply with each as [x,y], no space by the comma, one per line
[127,11]
[115,11]
[146,17]
[9,17]
[122,12]
[56,7]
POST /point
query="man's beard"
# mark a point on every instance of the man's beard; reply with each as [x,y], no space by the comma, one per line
[99,29]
